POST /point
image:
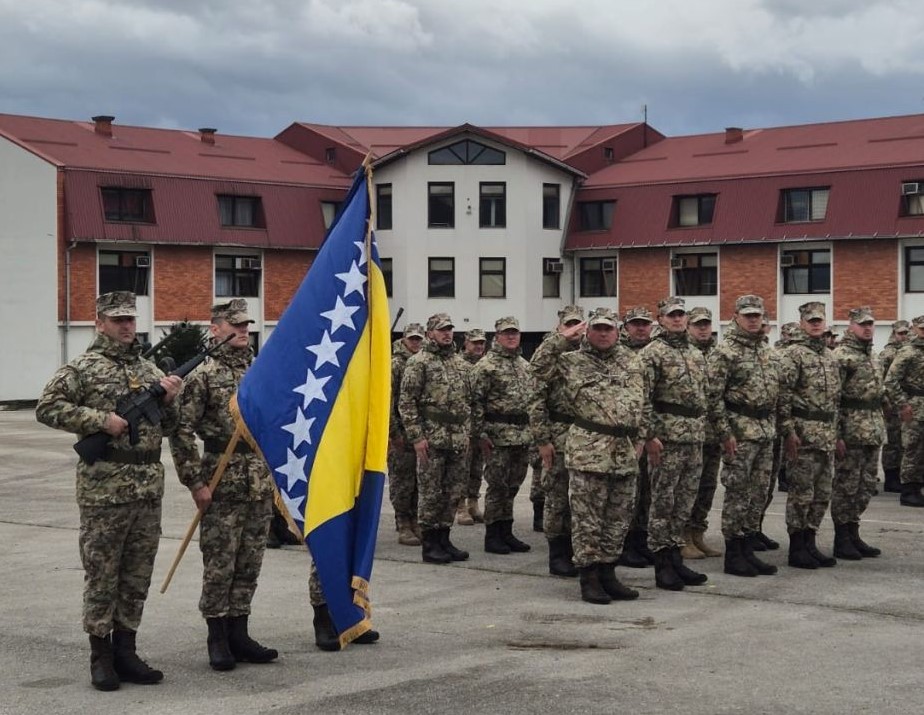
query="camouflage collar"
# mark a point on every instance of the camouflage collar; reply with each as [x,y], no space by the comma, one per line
[852,341]
[233,357]
[113,349]
[443,350]
[675,340]
[503,352]
[739,335]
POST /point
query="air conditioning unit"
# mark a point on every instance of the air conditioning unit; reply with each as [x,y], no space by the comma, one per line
[608,264]
[253,264]
[786,261]
[678,263]
[553,266]
[142,261]
[912,188]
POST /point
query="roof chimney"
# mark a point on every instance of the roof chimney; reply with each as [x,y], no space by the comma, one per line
[103,125]
[207,135]
[733,135]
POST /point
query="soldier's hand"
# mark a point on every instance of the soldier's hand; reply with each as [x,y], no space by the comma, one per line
[172,386]
[791,445]
[906,413]
[422,450]
[731,447]
[639,448]
[547,452]
[573,333]
[840,449]
[653,448]
[203,498]
[487,446]
[114,425]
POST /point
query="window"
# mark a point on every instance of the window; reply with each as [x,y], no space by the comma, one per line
[914,269]
[693,210]
[128,205]
[387,275]
[807,271]
[492,277]
[804,205]
[330,154]
[913,198]
[329,210]
[696,274]
[441,278]
[124,270]
[466,152]
[596,215]
[441,204]
[254,340]
[383,207]
[598,277]
[608,153]
[240,211]
[551,206]
[551,277]
[237,276]
[492,204]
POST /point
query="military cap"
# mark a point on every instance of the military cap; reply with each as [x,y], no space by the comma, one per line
[918,322]
[570,313]
[475,335]
[749,305]
[508,322]
[666,306]
[812,310]
[234,311]
[603,316]
[863,314]
[699,314]
[639,312]
[765,321]
[787,330]
[900,326]
[414,330]
[438,321]
[117,304]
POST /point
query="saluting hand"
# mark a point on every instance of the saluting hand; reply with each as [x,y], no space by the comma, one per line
[653,447]
[547,452]
[791,445]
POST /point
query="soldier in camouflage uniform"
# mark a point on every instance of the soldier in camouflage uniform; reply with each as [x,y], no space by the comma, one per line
[119,496]
[236,516]
[892,449]
[602,383]
[778,476]
[402,462]
[860,432]
[468,512]
[743,391]
[501,388]
[904,385]
[809,399]
[436,409]
[550,416]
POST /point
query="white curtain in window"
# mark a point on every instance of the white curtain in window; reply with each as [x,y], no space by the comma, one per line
[819,204]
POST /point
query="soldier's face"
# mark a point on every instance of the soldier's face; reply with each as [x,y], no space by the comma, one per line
[221,329]
[863,331]
[750,323]
[413,344]
[815,327]
[700,331]
[441,336]
[474,347]
[509,339]
[121,329]
[901,337]
[602,336]
[674,322]
[638,330]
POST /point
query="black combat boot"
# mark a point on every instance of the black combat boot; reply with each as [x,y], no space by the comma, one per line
[102,671]
[853,528]
[665,575]
[810,546]
[325,637]
[687,575]
[513,542]
[128,666]
[220,657]
[893,482]
[244,648]
[641,545]
[450,548]
[432,550]
[494,542]
[799,557]
[538,510]
[630,555]
[735,562]
[762,567]
[844,547]
[591,589]
[560,563]
[911,495]
[782,482]
[761,537]
[614,588]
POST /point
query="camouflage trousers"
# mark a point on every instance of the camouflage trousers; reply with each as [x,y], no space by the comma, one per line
[746,478]
[856,478]
[892,449]
[536,487]
[556,514]
[642,496]
[475,473]
[601,512]
[809,489]
[674,484]
[232,539]
[440,486]
[912,453]
[504,472]
[774,471]
[708,480]
[402,482]
[117,548]
[315,594]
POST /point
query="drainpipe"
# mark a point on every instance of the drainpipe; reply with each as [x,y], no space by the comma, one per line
[67,300]
[575,185]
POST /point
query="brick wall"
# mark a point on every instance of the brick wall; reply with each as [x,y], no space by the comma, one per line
[644,277]
[283,272]
[83,282]
[182,283]
[747,269]
[866,273]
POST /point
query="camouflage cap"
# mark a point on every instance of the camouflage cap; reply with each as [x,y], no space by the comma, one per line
[414,330]
[749,305]
[603,316]
[812,310]
[699,314]
[234,311]
[438,321]
[787,330]
[639,312]
[570,313]
[508,322]
[918,322]
[673,303]
[901,326]
[117,304]
[475,335]
[863,314]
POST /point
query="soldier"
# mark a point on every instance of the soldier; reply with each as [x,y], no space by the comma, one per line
[435,408]
[402,462]
[119,496]
[551,417]
[501,388]
[675,427]
[860,432]
[468,512]
[602,383]
[778,476]
[892,449]
[236,517]
[809,398]
[743,392]
[904,386]
[699,326]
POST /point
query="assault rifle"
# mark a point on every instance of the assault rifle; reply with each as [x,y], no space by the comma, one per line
[135,405]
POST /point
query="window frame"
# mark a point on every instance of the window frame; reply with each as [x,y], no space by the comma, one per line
[602,222]
[787,205]
[384,217]
[122,194]
[705,210]
[550,221]
[601,275]
[451,293]
[139,283]
[811,277]
[466,152]
[238,277]
[492,207]
[256,211]
[432,198]
[704,280]
[551,280]
[909,263]
[484,273]
[387,267]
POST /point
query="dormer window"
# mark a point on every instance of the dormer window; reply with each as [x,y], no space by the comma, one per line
[466,152]
[130,205]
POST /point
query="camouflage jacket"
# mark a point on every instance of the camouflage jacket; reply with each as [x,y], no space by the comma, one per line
[205,413]
[810,392]
[888,353]
[470,358]
[78,399]
[399,357]
[675,388]
[627,342]
[501,388]
[860,421]
[744,386]
[549,399]
[707,348]
[904,383]
[436,398]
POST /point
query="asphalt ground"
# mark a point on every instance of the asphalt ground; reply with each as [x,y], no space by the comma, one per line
[493,634]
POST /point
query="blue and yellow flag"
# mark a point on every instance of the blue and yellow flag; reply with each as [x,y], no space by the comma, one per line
[316,401]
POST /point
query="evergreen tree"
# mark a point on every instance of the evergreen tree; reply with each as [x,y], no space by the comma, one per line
[180,342]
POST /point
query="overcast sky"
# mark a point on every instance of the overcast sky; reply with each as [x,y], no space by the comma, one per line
[254,66]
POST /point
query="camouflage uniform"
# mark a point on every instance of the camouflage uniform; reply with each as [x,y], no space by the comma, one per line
[892,449]
[402,462]
[712,447]
[476,459]
[904,385]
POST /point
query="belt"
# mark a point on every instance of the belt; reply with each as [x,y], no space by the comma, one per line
[437,415]
[812,415]
[672,408]
[913,391]
[611,430]
[848,403]
[214,445]
[757,413]
[132,456]
[507,418]
[560,417]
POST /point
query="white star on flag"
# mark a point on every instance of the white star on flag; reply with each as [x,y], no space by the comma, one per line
[292,505]
[293,469]
[300,429]
[353,280]
[313,389]
[340,315]
[326,350]
[362,251]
